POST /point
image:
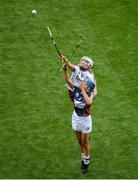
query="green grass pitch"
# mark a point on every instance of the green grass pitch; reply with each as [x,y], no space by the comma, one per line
[36,140]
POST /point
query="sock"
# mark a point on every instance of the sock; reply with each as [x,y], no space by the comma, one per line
[82,156]
[86,159]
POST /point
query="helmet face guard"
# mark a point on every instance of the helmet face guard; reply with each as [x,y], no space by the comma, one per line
[86,63]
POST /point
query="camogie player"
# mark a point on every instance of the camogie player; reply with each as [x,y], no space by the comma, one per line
[81,118]
[80,72]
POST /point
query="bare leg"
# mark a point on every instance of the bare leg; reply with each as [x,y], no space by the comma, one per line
[78,136]
[85,138]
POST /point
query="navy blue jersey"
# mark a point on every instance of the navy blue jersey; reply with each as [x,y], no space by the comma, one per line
[79,103]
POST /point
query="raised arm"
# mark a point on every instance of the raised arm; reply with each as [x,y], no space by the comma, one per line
[67,77]
[87,99]
[69,64]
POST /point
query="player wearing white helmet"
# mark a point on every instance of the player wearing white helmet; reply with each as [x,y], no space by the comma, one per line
[81,117]
[80,72]
[86,63]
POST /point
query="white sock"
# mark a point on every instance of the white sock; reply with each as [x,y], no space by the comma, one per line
[86,159]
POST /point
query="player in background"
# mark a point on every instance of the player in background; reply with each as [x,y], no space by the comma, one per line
[80,72]
[81,118]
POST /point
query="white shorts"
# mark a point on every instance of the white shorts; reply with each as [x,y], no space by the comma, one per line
[81,123]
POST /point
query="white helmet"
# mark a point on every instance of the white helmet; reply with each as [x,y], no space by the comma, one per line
[89,60]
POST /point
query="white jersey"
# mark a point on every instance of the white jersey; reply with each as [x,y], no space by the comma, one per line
[79,75]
